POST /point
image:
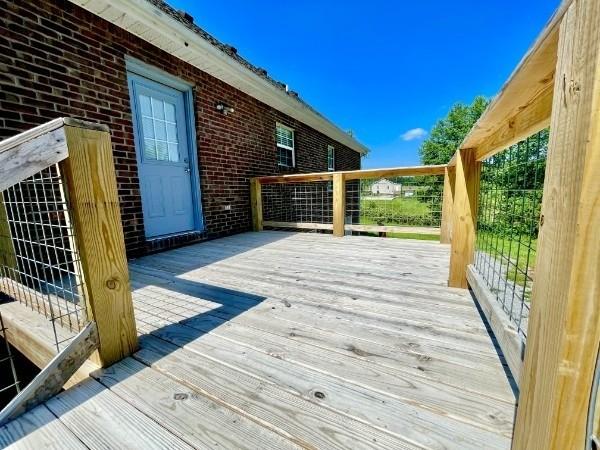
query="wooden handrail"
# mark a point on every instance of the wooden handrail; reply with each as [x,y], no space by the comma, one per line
[27,153]
[339,194]
[355,174]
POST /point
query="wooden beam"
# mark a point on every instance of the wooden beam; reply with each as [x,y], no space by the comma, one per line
[522,100]
[33,335]
[392,229]
[464,217]
[532,118]
[339,204]
[297,178]
[564,322]
[8,257]
[256,204]
[394,172]
[53,377]
[356,174]
[29,157]
[298,225]
[92,191]
[512,345]
[447,206]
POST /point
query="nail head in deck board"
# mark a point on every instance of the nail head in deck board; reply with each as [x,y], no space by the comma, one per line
[185,412]
[102,419]
[564,322]
[92,191]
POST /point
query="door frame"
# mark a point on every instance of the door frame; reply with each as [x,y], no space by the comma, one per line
[137,67]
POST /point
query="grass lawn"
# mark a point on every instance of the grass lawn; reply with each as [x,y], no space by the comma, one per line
[400,207]
[497,246]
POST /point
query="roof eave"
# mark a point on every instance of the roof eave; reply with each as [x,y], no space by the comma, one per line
[158,28]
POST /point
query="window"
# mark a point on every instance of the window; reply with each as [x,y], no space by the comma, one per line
[159,129]
[285,146]
[330,158]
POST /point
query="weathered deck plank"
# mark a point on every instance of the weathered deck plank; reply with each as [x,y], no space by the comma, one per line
[277,340]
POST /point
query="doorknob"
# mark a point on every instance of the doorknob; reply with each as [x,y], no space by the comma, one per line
[187,170]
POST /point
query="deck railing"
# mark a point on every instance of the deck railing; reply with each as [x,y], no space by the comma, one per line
[381,201]
[501,174]
[62,251]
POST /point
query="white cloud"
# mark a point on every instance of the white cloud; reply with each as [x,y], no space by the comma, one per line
[413,134]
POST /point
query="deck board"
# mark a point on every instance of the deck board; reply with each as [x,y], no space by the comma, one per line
[280,340]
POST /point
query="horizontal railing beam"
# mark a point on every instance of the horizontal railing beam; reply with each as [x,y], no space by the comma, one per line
[355,174]
[27,153]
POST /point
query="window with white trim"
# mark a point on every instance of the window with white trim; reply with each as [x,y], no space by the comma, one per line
[330,158]
[286,156]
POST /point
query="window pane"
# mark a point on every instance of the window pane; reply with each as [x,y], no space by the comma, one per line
[285,137]
[149,150]
[147,128]
[171,132]
[161,130]
[285,157]
[162,153]
[158,109]
[170,112]
[145,105]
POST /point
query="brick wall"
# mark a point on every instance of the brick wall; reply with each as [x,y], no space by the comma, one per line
[56,59]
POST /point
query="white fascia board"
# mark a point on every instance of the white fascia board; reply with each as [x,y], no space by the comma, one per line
[153,25]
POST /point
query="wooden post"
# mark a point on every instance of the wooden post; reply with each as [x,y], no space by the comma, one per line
[464,216]
[8,258]
[92,190]
[256,204]
[339,204]
[564,322]
[447,206]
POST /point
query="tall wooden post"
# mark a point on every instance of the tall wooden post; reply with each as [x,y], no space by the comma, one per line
[339,204]
[256,204]
[447,205]
[564,322]
[464,216]
[92,190]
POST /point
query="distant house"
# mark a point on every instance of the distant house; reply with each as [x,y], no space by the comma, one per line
[385,187]
[389,188]
[191,120]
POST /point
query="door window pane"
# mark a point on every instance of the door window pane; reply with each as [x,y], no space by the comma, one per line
[159,129]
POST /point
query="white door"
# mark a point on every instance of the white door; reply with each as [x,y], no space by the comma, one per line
[161,143]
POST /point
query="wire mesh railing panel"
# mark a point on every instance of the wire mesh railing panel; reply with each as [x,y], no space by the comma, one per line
[39,263]
[510,201]
[306,202]
[395,201]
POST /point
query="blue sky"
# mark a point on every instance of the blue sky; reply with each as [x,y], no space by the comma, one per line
[380,68]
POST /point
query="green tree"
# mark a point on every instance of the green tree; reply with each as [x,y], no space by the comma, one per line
[449,132]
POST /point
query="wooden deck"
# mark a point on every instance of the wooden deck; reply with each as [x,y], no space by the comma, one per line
[291,340]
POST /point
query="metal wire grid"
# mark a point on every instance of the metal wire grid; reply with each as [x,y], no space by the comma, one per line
[6,357]
[395,201]
[309,202]
[508,222]
[40,265]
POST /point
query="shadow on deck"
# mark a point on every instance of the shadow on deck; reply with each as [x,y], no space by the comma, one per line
[280,340]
